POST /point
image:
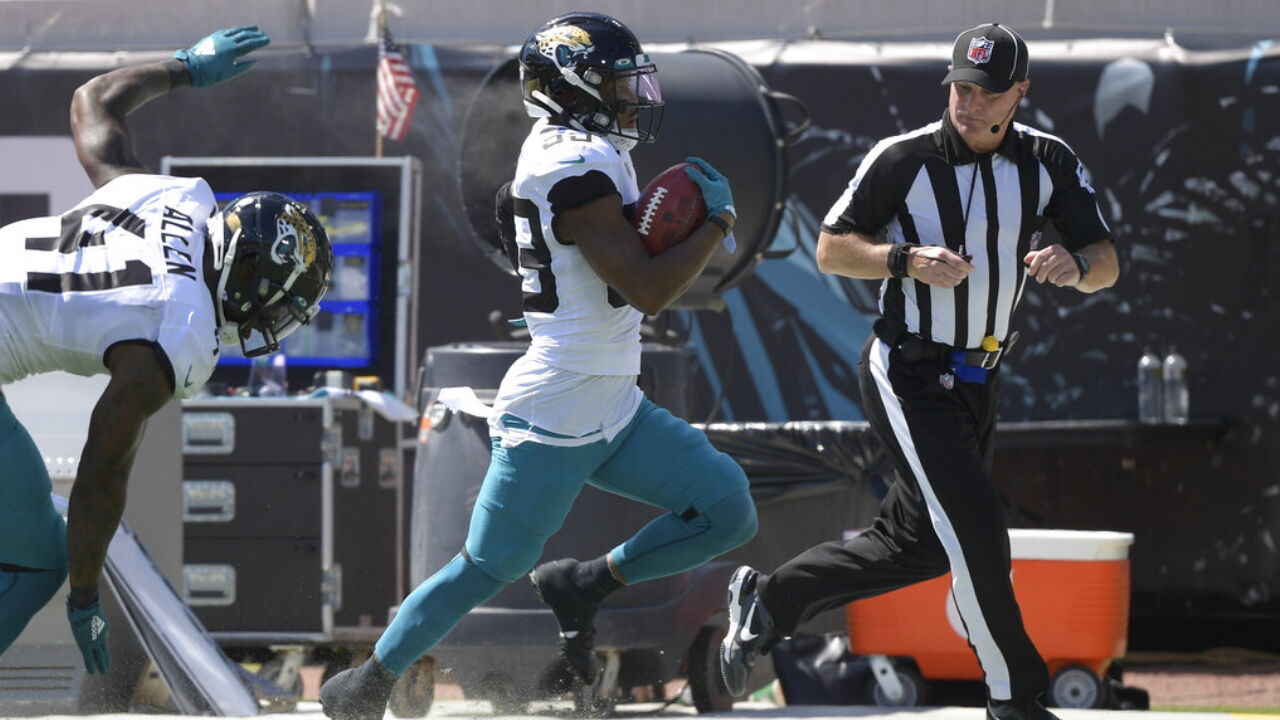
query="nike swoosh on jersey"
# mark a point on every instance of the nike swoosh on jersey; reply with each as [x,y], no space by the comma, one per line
[573,162]
[186,381]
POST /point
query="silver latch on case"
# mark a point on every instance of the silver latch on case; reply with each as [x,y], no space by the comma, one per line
[208,585]
[208,501]
[211,433]
[331,445]
[331,586]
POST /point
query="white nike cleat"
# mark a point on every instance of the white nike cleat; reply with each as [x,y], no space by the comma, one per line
[751,631]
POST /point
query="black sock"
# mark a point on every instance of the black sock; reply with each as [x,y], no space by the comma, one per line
[594,580]
[376,676]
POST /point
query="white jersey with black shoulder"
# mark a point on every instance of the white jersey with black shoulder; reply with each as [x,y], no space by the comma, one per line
[577,380]
[576,321]
[123,265]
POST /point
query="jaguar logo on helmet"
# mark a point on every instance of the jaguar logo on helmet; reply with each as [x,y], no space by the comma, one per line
[563,43]
[295,241]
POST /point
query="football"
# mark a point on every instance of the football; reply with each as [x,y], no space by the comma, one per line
[669,209]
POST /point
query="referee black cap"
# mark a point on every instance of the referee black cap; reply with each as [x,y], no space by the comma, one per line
[992,56]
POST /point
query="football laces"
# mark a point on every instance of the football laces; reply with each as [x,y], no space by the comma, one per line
[651,210]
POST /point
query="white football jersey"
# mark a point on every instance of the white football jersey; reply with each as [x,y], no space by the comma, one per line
[576,321]
[124,264]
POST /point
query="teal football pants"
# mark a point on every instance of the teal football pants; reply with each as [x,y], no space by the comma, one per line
[22,594]
[33,535]
[528,491]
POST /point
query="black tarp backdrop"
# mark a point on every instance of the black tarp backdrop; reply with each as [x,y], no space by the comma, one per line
[1186,158]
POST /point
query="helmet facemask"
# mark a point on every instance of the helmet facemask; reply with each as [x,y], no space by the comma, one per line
[629,105]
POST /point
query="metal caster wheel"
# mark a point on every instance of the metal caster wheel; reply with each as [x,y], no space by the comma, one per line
[415,691]
[893,685]
[1075,686]
[705,682]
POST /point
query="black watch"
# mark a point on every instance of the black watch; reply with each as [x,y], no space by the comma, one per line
[1082,264]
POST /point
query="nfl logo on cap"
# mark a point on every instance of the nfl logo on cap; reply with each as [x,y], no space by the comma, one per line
[991,55]
[980,50]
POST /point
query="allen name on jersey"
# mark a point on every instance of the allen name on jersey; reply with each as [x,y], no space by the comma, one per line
[126,264]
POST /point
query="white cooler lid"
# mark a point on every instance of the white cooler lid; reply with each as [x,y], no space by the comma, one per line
[1069,544]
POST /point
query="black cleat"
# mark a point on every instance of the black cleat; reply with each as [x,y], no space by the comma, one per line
[553,582]
[751,633]
[359,693]
[1018,710]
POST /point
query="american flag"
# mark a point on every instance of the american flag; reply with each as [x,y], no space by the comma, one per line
[397,90]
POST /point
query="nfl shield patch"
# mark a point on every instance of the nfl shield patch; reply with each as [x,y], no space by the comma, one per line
[947,380]
[980,50]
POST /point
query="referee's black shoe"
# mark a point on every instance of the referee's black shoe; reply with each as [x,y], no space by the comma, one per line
[576,615]
[360,693]
[1018,710]
[751,632]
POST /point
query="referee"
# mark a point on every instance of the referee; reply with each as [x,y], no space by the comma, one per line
[950,214]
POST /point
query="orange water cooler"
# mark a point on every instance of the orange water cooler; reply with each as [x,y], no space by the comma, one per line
[1072,587]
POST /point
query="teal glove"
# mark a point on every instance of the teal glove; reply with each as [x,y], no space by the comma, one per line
[714,187]
[213,59]
[89,628]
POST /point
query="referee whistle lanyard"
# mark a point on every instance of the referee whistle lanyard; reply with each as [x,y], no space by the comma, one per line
[963,372]
[973,181]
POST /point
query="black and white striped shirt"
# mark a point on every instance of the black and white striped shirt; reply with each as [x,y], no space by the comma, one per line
[928,187]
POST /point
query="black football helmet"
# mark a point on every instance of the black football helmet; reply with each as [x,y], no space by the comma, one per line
[587,71]
[273,259]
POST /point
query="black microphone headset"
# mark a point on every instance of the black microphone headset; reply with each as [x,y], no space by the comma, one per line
[995,129]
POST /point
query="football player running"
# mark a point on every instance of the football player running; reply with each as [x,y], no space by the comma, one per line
[569,411]
[141,281]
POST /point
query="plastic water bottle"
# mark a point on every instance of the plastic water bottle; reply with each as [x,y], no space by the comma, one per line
[1150,392]
[1176,397]
[279,377]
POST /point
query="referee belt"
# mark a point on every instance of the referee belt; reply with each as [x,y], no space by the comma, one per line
[914,348]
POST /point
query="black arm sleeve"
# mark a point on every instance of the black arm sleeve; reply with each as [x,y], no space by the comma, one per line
[1073,206]
[504,216]
[874,195]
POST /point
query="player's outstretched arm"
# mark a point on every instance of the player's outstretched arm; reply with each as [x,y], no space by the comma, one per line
[98,111]
[140,385]
[100,106]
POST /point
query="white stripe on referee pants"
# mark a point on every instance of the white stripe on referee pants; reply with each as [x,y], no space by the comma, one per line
[993,663]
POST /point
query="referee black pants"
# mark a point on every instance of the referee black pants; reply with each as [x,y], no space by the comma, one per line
[942,515]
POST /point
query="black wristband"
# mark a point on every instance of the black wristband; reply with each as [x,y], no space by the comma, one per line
[1082,265]
[899,256]
[179,73]
[81,598]
[720,223]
